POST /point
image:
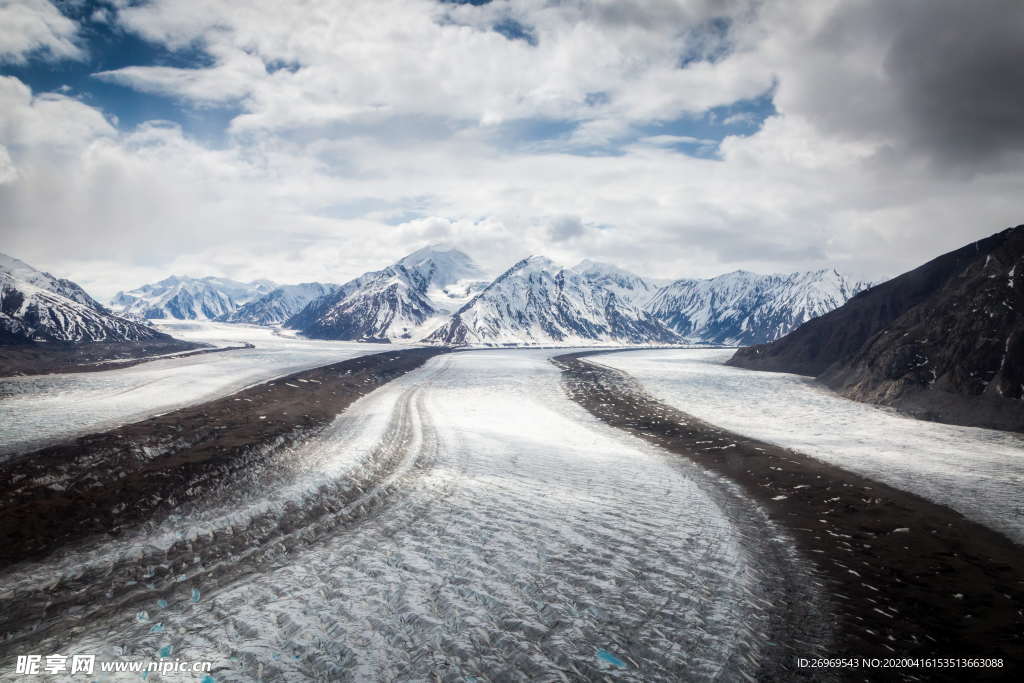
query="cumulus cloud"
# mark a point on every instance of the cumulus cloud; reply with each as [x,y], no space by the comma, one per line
[46,120]
[379,58]
[367,129]
[230,80]
[36,26]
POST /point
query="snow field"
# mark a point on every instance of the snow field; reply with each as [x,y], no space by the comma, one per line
[978,472]
[41,409]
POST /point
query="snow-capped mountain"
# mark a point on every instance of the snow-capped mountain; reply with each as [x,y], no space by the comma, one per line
[436,294]
[449,275]
[539,302]
[747,308]
[37,307]
[187,298]
[627,286]
[279,304]
[944,341]
[403,301]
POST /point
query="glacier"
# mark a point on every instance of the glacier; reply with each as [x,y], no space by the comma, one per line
[977,472]
[522,537]
[40,409]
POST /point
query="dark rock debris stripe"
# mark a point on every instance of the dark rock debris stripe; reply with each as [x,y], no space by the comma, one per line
[78,495]
[46,359]
[118,364]
[908,578]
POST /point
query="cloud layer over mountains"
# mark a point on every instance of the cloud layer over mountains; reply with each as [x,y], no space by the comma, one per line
[311,141]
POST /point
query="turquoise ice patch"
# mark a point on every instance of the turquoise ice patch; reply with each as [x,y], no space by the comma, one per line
[606,656]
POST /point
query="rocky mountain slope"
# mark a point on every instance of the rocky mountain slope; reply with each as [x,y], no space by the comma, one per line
[431,295]
[188,298]
[406,300]
[279,304]
[747,308]
[627,287]
[944,341]
[422,297]
[538,302]
[37,307]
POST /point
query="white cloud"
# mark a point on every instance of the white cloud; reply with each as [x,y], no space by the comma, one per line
[745,118]
[671,140]
[369,129]
[8,172]
[230,80]
[565,228]
[373,59]
[46,120]
[28,26]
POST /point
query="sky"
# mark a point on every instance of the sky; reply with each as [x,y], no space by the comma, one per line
[318,139]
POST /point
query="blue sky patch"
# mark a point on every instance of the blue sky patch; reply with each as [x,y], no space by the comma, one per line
[513,30]
[110,48]
[698,135]
[744,117]
[511,134]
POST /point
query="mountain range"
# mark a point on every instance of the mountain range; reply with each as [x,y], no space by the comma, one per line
[439,295]
[187,298]
[943,341]
[742,308]
[538,302]
[38,307]
[279,304]
[406,300]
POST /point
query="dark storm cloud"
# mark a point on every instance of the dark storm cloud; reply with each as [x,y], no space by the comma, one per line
[958,70]
[943,79]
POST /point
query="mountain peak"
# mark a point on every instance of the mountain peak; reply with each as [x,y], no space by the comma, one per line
[736,274]
[441,265]
[891,344]
[15,266]
[591,267]
[8,263]
[36,306]
[540,261]
[190,298]
[742,307]
[537,301]
[280,304]
[436,248]
[436,252]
